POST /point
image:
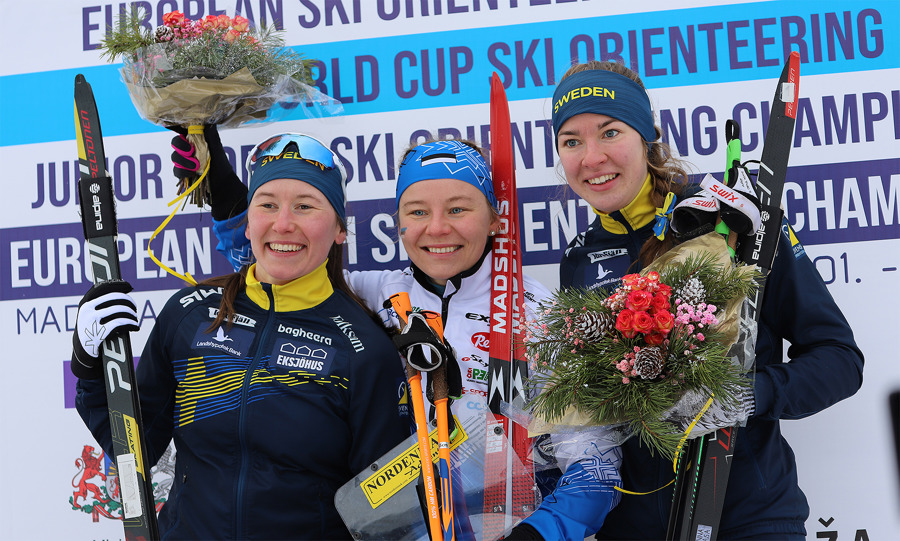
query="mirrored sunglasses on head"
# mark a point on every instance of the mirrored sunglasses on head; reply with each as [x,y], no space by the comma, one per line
[308,147]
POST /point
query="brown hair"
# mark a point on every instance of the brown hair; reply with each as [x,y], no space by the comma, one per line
[232,284]
[668,172]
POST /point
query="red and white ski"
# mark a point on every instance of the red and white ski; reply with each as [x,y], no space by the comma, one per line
[510,492]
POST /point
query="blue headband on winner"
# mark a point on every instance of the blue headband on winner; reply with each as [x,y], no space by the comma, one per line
[307,160]
[445,159]
[603,92]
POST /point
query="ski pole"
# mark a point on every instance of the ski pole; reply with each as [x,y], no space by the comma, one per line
[441,403]
[400,303]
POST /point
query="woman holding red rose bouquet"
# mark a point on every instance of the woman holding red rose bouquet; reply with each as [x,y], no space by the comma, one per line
[612,157]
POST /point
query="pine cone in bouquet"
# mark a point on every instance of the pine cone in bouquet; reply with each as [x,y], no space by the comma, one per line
[692,292]
[217,70]
[591,326]
[649,362]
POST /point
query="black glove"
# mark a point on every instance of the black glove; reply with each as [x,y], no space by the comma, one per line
[523,532]
[417,341]
[228,195]
[104,309]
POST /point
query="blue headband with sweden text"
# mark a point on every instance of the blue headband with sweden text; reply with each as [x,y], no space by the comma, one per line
[445,159]
[603,92]
[290,164]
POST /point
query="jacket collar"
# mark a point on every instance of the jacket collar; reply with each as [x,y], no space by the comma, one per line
[455,282]
[298,294]
[637,214]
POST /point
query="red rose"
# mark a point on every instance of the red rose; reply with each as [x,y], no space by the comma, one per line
[654,338]
[664,290]
[173,18]
[638,300]
[659,303]
[625,322]
[643,322]
[631,279]
[664,321]
[240,24]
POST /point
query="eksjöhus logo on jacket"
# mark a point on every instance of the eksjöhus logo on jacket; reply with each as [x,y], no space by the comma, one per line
[302,355]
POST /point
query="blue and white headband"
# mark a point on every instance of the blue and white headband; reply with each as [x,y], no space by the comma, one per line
[445,159]
[603,92]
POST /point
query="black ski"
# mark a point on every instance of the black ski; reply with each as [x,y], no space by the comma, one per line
[702,476]
[98,217]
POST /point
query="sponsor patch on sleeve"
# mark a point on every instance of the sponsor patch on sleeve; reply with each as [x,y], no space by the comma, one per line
[798,249]
[297,354]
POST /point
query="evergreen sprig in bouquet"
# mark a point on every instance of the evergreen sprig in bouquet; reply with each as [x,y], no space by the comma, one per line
[216,70]
[626,357]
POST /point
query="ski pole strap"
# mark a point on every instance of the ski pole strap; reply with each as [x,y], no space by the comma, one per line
[690,428]
[186,276]
[677,451]
[744,209]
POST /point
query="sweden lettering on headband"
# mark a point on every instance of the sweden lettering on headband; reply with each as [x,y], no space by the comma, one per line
[299,157]
[603,92]
[445,159]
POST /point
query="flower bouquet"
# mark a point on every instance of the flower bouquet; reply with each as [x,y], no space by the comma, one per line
[626,357]
[217,70]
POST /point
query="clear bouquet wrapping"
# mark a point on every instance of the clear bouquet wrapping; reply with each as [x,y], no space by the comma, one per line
[629,359]
[218,70]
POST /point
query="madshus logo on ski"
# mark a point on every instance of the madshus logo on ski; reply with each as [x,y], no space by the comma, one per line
[234,341]
[96,484]
[306,356]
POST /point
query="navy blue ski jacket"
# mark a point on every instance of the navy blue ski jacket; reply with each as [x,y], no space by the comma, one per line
[270,416]
[824,367]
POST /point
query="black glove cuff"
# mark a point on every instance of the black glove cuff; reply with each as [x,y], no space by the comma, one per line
[524,532]
[91,369]
[228,195]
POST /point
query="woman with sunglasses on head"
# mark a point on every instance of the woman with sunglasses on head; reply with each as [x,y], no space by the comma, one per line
[612,157]
[447,218]
[275,383]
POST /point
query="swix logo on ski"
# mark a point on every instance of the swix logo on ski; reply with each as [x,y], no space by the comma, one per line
[235,342]
[198,295]
[298,332]
[237,319]
[482,341]
[606,254]
[302,355]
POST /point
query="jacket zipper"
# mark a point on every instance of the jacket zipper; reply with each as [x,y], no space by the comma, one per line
[245,391]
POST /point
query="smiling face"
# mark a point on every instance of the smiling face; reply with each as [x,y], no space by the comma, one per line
[444,226]
[291,227]
[604,160]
